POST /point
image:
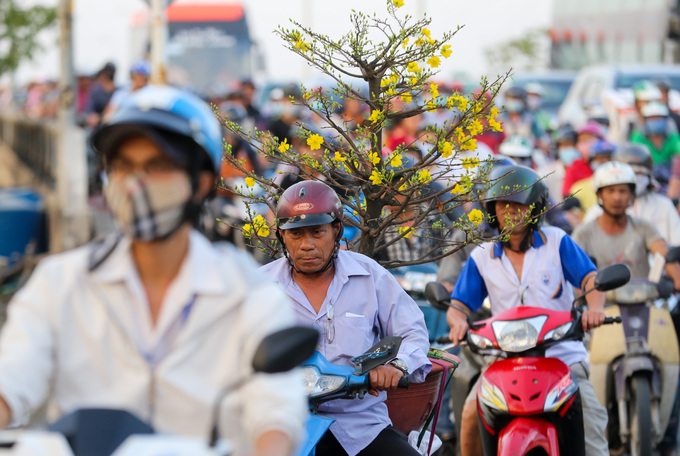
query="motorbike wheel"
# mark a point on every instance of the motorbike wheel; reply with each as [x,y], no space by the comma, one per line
[640,415]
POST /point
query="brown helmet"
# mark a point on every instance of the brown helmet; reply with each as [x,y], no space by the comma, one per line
[308,203]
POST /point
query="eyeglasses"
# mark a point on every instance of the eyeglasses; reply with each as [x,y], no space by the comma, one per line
[330,322]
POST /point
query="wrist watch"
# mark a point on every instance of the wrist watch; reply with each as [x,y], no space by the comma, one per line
[399,364]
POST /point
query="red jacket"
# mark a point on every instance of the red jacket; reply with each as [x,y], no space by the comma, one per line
[579,169]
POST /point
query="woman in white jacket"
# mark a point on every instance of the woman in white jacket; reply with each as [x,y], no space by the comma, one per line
[154,320]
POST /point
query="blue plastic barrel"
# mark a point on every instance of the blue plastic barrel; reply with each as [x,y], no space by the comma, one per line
[22,220]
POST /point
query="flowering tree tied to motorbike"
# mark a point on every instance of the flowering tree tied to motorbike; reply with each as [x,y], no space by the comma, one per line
[387,196]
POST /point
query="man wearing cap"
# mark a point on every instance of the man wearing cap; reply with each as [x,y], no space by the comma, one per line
[353,302]
[154,319]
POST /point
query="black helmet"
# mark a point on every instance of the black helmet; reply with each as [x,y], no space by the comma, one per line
[518,184]
[565,134]
[636,155]
[516,92]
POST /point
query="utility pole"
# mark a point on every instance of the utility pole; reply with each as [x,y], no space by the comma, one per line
[159,33]
[71,212]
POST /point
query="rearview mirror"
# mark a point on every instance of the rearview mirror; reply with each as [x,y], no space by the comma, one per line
[437,295]
[283,350]
[673,255]
[611,277]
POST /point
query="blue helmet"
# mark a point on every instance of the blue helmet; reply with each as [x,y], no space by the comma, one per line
[164,109]
[141,67]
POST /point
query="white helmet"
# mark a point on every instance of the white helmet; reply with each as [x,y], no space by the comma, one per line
[654,109]
[614,173]
[516,147]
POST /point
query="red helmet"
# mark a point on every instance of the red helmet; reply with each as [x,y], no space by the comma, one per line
[308,203]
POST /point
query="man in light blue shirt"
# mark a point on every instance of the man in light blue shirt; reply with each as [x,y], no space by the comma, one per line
[353,302]
[534,267]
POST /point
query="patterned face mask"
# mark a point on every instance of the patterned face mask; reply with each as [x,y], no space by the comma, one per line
[149,209]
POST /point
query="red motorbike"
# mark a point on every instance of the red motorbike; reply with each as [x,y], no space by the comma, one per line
[529,404]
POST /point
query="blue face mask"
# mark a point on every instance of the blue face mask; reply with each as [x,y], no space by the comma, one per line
[567,155]
[656,126]
[513,105]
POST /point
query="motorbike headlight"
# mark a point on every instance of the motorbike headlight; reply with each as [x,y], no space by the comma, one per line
[317,384]
[492,396]
[480,341]
[560,394]
[518,335]
[559,332]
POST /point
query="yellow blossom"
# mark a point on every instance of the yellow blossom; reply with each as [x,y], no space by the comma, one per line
[406,97]
[460,135]
[247,230]
[431,105]
[375,178]
[495,125]
[406,231]
[338,157]
[315,141]
[260,226]
[414,80]
[405,43]
[284,146]
[470,162]
[424,176]
[476,216]
[475,127]
[374,158]
[301,45]
[398,3]
[396,160]
[458,189]
[390,92]
[470,144]
[420,42]
[375,116]
[413,67]
[425,32]
[494,111]
[447,149]
[434,90]
[434,61]
[250,181]
[446,51]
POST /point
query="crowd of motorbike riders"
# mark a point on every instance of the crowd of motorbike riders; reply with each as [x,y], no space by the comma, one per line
[155,319]
[621,206]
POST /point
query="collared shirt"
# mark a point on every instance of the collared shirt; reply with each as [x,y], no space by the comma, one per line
[366,304]
[89,336]
[552,263]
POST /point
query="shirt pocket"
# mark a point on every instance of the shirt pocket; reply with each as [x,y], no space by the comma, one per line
[353,335]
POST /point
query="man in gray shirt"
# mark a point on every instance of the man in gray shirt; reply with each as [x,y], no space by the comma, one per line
[614,236]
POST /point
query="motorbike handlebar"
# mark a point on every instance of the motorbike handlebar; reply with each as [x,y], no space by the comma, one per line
[403,382]
[611,320]
[443,340]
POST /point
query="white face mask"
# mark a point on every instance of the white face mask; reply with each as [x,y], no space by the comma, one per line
[149,209]
[642,183]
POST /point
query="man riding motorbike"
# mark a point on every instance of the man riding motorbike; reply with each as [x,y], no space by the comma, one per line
[648,204]
[353,302]
[154,320]
[536,266]
[616,237]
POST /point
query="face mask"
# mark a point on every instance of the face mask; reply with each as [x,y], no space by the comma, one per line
[656,126]
[514,105]
[149,209]
[641,185]
[534,102]
[567,155]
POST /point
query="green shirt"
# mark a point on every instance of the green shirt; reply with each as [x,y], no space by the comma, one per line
[669,149]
